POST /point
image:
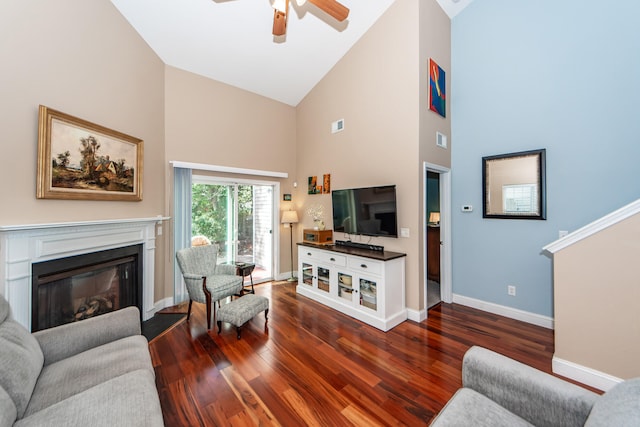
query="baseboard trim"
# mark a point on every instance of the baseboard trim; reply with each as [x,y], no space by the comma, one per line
[583,374]
[416,315]
[285,276]
[502,310]
[163,303]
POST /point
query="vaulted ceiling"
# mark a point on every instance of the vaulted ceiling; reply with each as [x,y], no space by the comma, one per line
[230,40]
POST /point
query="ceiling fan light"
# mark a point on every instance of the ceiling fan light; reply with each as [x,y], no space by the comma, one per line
[301,2]
[280,5]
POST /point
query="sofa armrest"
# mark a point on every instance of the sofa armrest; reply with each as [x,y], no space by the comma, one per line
[67,340]
[539,398]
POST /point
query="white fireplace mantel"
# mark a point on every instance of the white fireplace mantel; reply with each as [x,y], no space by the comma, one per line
[23,245]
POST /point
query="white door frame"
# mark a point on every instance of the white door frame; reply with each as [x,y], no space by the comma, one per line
[275,241]
[446,287]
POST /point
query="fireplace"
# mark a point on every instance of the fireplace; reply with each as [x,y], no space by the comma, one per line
[24,246]
[71,289]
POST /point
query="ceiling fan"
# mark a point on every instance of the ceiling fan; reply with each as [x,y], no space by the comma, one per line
[281,12]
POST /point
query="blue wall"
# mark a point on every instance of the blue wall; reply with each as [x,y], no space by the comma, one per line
[528,74]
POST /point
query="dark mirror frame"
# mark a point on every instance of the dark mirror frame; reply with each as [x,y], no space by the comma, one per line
[540,173]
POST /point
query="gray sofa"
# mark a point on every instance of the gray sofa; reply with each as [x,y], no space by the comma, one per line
[96,372]
[499,391]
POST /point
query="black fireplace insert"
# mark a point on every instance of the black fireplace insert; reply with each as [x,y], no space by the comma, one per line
[75,288]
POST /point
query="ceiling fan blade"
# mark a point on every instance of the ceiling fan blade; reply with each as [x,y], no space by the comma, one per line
[280,12]
[279,23]
[333,8]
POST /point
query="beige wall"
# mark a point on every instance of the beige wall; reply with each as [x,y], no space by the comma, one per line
[435,42]
[82,58]
[376,89]
[216,124]
[597,301]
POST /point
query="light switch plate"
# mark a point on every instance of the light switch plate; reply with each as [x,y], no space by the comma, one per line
[404,232]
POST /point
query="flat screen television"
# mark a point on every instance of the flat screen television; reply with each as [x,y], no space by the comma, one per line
[369,211]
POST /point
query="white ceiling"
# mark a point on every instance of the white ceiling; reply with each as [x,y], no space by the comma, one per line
[230,40]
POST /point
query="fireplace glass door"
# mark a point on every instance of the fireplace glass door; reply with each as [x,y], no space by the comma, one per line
[77,288]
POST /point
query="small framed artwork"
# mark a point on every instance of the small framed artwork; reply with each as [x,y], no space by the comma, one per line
[313,185]
[437,89]
[81,160]
[326,183]
[286,197]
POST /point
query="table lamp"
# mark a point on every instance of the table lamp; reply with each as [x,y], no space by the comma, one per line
[434,218]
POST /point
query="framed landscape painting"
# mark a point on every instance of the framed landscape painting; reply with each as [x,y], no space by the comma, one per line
[81,160]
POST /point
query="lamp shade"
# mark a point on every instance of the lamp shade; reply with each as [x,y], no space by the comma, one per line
[434,217]
[289,217]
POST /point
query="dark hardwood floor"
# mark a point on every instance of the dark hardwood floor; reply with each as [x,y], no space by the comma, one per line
[310,365]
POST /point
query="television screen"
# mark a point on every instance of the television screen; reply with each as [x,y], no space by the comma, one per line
[370,211]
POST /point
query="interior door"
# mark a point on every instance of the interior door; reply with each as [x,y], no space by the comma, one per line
[238,217]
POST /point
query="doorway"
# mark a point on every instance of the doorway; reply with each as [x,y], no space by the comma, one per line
[437,235]
[433,239]
[238,217]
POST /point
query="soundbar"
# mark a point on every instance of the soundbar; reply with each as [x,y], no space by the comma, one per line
[350,244]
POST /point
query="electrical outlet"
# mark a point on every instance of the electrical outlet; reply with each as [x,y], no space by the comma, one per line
[511,290]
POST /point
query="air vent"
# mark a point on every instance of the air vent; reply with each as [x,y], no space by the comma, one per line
[441,140]
[337,126]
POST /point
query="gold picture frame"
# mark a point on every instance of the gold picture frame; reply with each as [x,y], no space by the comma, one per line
[81,160]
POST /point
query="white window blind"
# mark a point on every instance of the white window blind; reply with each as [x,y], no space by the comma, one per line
[520,199]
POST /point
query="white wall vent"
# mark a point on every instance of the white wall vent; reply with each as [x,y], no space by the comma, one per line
[337,126]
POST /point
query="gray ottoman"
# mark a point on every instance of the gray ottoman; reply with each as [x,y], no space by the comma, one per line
[241,310]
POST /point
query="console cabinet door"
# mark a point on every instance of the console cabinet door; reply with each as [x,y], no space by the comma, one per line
[324,279]
[307,275]
[368,293]
[346,292]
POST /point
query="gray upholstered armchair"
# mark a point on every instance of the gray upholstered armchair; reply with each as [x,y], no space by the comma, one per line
[206,280]
[499,391]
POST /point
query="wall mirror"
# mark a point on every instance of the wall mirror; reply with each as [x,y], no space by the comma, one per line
[513,185]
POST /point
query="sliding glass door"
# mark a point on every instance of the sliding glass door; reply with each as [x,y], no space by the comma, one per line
[238,217]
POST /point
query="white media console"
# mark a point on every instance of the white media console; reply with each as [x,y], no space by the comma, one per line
[368,285]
